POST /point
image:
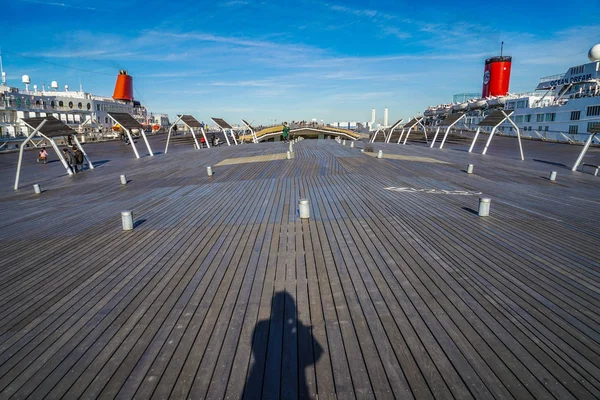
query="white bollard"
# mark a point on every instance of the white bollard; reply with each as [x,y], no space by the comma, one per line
[362,150]
[289,155]
[209,171]
[344,142]
[304,209]
[291,148]
[380,154]
[470,169]
[484,206]
[127,219]
[352,145]
[123,180]
[37,189]
[553,176]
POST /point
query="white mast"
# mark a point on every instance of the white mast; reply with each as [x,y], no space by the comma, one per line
[2,69]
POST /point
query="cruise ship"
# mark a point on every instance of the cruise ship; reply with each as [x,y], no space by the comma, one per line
[562,108]
[86,113]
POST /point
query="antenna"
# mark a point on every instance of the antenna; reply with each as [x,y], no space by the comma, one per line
[80,87]
[501,49]
[2,69]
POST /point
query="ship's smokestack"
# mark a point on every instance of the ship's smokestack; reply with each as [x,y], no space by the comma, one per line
[496,76]
[123,87]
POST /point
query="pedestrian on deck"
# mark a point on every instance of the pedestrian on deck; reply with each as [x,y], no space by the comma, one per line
[78,156]
[286,132]
[43,157]
[70,159]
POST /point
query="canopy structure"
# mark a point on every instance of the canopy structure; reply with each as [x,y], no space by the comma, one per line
[49,128]
[224,127]
[387,133]
[192,124]
[251,129]
[494,120]
[410,125]
[127,123]
[595,130]
[449,122]
[306,130]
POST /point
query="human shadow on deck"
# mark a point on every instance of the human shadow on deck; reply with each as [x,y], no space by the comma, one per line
[282,349]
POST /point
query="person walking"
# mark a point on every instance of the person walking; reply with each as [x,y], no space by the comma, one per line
[286,132]
[78,156]
[43,156]
[70,159]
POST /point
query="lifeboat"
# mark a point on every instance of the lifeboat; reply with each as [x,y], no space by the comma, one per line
[477,104]
[155,127]
[116,128]
[428,113]
[497,101]
[460,107]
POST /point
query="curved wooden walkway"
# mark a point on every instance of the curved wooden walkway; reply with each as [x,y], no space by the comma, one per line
[394,288]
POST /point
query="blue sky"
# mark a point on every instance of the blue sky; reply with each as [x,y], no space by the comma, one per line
[297,60]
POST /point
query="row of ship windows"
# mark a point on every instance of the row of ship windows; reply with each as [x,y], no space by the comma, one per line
[548,117]
[39,103]
[573,129]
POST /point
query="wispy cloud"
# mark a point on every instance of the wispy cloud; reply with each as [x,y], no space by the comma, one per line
[56,4]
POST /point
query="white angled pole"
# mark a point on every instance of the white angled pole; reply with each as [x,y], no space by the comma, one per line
[137,155]
[83,151]
[22,149]
[170,130]
[435,136]
[205,138]
[474,139]
[146,140]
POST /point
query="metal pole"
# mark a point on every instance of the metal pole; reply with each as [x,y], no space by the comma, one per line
[146,140]
[304,208]
[195,140]
[205,138]
[83,151]
[170,129]
[233,136]
[60,156]
[583,151]
[226,138]
[22,149]
[489,140]
[401,134]
[407,133]
[484,206]
[474,139]
[435,137]
[131,142]
[127,220]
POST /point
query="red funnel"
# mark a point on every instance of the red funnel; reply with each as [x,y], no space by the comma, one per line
[123,87]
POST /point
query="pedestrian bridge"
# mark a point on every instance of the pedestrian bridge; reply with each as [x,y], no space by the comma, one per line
[304,130]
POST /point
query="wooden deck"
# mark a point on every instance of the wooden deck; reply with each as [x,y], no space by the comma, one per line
[221,291]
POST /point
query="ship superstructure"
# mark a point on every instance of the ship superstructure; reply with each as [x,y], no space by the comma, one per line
[563,107]
[82,111]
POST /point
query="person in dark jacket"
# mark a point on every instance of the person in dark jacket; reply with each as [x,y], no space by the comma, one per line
[70,159]
[78,156]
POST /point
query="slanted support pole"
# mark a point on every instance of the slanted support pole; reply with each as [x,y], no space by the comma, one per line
[448,130]
[401,135]
[146,140]
[474,139]
[22,149]
[60,156]
[170,130]
[437,131]
[407,134]
[195,140]
[205,138]
[375,135]
[225,134]
[583,151]
[492,134]
[83,151]
[518,134]
[424,132]
[137,155]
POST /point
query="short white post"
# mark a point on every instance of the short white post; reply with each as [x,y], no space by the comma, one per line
[123,180]
[127,219]
[37,189]
[470,169]
[380,154]
[553,176]
[362,150]
[304,209]
[351,145]
[291,148]
[484,206]
[209,171]
[344,142]
[289,155]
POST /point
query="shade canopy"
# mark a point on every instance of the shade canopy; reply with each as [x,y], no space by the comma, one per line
[190,121]
[221,122]
[495,118]
[126,120]
[52,128]
[451,119]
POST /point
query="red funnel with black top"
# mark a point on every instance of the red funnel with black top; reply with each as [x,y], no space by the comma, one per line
[123,87]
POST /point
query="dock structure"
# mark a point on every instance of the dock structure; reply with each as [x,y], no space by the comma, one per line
[394,287]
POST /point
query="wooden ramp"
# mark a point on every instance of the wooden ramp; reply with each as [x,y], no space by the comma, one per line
[393,288]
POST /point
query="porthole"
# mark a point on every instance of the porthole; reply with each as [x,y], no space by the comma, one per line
[79,105]
[61,104]
[52,105]
[70,104]
[89,106]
